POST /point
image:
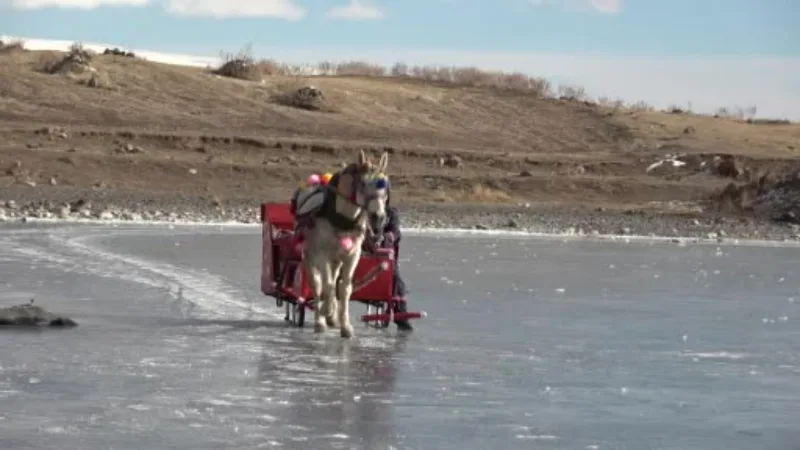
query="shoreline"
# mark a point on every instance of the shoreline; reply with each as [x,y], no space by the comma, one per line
[113,207]
[448,232]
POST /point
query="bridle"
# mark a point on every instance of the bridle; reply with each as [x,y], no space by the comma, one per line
[361,198]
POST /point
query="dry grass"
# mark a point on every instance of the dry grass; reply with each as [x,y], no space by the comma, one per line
[481,193]
[251,138]
[476,193]
[97,80]
[243,65]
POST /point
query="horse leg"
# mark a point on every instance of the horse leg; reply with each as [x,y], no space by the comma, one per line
[317,284]
[344,290]
[328,297]
[332,310]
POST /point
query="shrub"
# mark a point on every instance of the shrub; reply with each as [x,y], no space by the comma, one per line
[12,46]
[76,61]
[240,65]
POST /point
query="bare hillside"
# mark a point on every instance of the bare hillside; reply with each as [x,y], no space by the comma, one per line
[114,122]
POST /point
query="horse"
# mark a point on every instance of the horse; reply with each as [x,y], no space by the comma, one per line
[353,209]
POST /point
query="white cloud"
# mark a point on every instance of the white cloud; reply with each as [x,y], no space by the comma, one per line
[282,9]
[606,6]
[75,4]
[603,6]
[356,10]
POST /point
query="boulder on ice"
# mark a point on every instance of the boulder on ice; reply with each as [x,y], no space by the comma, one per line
[32,316]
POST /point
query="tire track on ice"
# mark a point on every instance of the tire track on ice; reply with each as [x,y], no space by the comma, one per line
[211,294]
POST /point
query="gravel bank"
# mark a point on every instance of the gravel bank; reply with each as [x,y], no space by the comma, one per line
[20,204]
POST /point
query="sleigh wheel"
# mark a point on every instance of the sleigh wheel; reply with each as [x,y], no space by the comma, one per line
[384,309]
[377,308]
[296,313]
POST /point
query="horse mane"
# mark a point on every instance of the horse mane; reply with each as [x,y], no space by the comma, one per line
[359,168]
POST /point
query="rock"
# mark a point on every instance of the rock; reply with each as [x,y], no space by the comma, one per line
[53,181]
[512,223]
[30,315]
[79,204]
[129,148]
[689,130]
[193,171]
[450,161]
[526,173]
[727,167]
[11,204]
[106,215]
[788,216]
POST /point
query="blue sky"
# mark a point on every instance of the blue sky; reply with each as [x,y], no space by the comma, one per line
[742,44]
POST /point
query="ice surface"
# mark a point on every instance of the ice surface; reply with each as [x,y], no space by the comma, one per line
[561,343]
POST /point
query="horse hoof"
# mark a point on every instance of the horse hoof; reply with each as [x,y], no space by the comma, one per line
[347,332]
[319,327]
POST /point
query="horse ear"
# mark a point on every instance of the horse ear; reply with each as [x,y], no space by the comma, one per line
[362,158]
[384,162]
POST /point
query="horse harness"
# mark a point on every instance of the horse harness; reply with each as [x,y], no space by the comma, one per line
[341,205]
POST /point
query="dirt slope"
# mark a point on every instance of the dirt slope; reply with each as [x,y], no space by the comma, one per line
[164,129]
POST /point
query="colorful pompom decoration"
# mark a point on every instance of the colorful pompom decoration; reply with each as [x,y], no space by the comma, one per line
[346,242]
[312,179]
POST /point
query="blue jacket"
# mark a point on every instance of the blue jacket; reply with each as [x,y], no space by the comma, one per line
[392,226]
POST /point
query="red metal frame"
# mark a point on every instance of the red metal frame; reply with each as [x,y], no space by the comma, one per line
[374,280]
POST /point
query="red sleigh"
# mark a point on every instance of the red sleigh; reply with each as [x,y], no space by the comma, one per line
[284,277]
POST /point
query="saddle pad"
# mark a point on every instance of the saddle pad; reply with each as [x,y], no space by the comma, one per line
[309,201]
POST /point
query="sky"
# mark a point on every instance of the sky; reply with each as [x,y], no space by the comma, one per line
[700,53]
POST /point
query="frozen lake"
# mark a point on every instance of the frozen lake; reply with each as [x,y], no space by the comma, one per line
[529,343]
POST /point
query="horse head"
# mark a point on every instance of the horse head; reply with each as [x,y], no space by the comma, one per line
[372,191]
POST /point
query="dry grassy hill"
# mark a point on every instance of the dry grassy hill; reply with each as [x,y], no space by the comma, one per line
[123,123]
